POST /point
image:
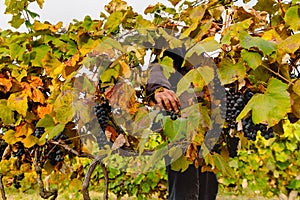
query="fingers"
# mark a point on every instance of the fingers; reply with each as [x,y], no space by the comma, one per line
[167,99]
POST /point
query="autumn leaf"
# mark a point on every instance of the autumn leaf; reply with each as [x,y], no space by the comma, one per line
[43,110]
[18,102]
[119,142]
[5,84]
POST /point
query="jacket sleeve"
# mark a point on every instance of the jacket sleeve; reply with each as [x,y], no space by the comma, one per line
[156,79]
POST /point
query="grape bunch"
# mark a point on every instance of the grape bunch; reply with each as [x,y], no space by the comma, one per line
[20,150]
[101,139]
[56,155]
[250,129]
[17,179]
[173,115]
[101,111]
[38,132]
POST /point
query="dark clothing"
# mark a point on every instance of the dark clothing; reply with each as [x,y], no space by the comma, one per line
[191,184]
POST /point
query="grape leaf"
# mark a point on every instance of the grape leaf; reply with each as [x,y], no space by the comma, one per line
[230,72]
[296,87]
[9,137]
[248,41]
[292,18]
[270,107]
[207,45]
[180,164]
[18,102]
[53,131]
[167,66]
[6,114]
[113,21]
[46,121]
[290,44]
[222,165]
[253,59]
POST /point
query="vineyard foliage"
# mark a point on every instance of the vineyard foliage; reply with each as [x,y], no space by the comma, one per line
[49,86]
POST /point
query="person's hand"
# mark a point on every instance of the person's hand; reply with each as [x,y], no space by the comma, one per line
[166,99]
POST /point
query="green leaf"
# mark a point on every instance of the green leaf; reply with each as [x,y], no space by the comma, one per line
[180,164]
[230,72]
[292,18]
[207,45]
[174,129]
[46,121]
[253,59]
[18,102]
[113,21]
[39,53]
[32,14]
[167,66]
[87,22]
[248,41]
[16,21]
[53,131]
[6,114]
[200,77]
[16,51]
[222,165]
[270,107]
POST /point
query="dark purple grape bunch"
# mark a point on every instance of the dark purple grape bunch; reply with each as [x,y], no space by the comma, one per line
[38,132]
[56,155]
[20,150]
[173,115]
[250,129]
[102,111]
[17,179]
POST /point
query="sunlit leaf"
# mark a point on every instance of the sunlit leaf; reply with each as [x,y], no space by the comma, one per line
[292,18]
[290,44]
[9,137]
[113,21]
[29,141]
[17,21]
[40,3]
[18,102]
[296,87]
[270,107]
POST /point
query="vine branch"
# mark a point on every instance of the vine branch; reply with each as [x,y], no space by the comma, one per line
[2,187]
[43,193]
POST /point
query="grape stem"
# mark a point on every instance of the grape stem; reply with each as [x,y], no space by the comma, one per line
[279,75]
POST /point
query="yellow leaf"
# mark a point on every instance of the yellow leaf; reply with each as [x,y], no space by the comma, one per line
[24,129]
[38,26]
[9,137]
[30,141]
[18,102]
[125,69]
[38,96]
[6,84]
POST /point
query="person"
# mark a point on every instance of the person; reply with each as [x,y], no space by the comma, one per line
[191,184]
